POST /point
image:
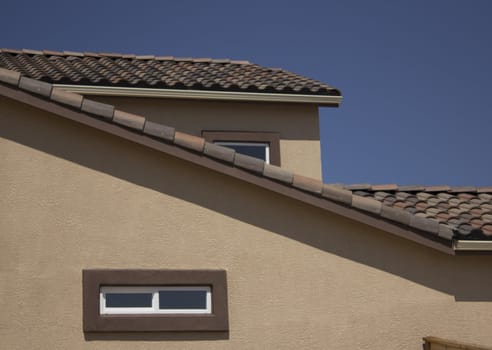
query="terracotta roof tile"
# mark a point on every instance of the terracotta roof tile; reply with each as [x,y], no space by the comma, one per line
[129,120]
[464,208]
[36,86]
[97,108]
[249,163]
[221,153]
[387,187]
[394,214]
[189,141]
[67,98]
[437,188]
[367,204]
[160,131]
[115,69]
[487,217]
[337,194]
[277,173]
[487,230]
[307,184]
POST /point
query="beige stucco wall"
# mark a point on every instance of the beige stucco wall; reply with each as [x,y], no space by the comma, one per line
[297,124]
[299,277]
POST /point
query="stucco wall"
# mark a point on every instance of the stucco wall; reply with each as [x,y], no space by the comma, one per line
[298,277]
[297,124]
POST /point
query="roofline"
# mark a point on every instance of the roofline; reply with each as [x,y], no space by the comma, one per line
[464,245]
[320,100]
[406,232]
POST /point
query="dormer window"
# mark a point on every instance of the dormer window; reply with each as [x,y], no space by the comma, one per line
[259,150]
[262,145]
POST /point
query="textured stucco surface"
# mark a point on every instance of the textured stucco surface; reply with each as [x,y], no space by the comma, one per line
[298,277]
[297,124]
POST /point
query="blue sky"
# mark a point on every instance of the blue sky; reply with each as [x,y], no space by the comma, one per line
[416,75]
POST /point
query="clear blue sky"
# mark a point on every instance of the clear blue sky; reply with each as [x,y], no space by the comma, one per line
[416,75]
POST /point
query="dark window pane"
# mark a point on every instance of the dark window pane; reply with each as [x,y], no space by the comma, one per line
[182,299]
[253,151]
[128,299]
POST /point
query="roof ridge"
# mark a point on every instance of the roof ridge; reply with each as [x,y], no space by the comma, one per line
[126,56]
[167,134]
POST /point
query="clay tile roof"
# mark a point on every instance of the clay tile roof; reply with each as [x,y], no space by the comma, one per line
[164,72]
[440,213]
[464,209]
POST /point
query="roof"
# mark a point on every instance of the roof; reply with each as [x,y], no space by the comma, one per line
[468,210]
[420,218]
[164,72]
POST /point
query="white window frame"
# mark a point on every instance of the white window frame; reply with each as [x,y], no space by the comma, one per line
[245,143]
[154,290]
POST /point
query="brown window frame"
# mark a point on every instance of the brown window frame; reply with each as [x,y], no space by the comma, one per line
[272,138]
[94,279]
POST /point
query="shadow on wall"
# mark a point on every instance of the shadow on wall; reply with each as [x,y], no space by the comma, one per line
[461,276]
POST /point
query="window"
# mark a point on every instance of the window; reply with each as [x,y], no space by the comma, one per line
[262,145]
[154,300]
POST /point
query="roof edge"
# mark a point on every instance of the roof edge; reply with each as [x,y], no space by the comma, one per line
[196,150]
[320,100]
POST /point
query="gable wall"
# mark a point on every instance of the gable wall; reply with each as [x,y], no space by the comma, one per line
[297,124]
[298,277]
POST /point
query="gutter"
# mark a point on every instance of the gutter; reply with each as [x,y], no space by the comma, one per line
[461,245]
[320,100]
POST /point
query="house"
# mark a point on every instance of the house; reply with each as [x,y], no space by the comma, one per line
[152,202]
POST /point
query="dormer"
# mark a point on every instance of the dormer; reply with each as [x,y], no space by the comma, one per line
[267,113]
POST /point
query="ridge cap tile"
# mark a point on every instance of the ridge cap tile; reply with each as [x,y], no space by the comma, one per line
[424,224]
[91,54]
[337,194]
[461,189]
[66,97]
[307,183]
[129,120]
[32,52]
[192,142]
[10,76]
[437,188]
[145,57]
[446,231]
[52,53]
[158,130]
[7,50]
[278,173]
[110,54]
[485,189]
[384,187]
[73,53]
[355,187]
[411,188]
[222,153]
[367,204]
[98,108]
[36,86]
[396,214]
[250,163]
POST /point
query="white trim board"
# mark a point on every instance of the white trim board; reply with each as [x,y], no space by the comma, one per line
[321,100]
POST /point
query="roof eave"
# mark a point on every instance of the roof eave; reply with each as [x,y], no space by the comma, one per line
[320,100]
